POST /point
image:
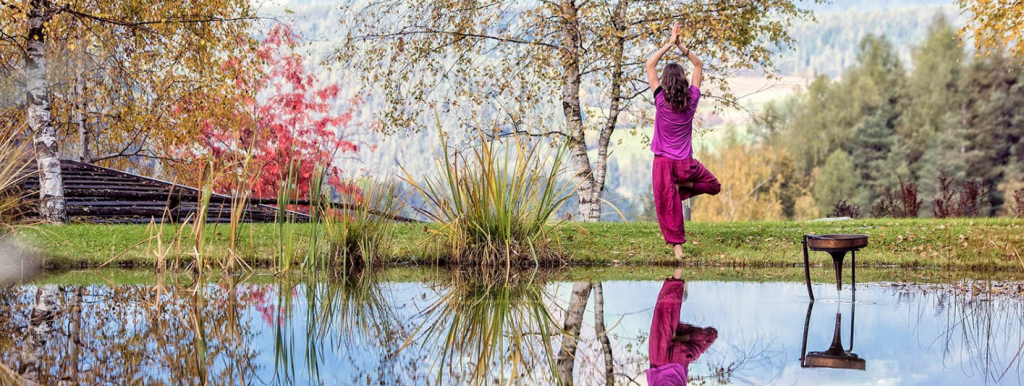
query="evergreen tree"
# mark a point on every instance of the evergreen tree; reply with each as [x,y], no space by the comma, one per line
[875,139]
[933,129]
[836,181]
[874,93]
[994,112]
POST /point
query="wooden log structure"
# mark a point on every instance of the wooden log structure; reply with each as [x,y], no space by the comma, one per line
[102,195]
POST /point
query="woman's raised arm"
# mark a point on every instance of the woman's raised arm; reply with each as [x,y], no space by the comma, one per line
[652,63]
[698,65]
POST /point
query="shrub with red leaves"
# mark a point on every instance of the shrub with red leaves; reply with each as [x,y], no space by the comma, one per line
[272,114]
[970,200]
[846,209]
[902,203]
[973,200]
[944,205]
[1018,204]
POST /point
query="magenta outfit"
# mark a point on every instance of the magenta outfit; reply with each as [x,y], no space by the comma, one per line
[674,163]
[670,359]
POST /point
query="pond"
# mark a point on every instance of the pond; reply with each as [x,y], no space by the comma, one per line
[419,326]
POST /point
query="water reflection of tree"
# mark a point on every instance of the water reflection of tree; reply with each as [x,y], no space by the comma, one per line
[572,339]
[341,313]
[732,364]
[573,321]
[981,330]
[124,335]
[484,330]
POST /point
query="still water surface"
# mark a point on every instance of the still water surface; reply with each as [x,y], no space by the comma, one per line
[361,331]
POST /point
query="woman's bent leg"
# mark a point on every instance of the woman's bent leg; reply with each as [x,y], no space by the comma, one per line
[667,203]
[703,182]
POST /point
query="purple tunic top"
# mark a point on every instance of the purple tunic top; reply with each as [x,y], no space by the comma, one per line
[672,129]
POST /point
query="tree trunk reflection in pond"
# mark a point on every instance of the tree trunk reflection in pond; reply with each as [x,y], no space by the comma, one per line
[571,331]
[602,335]
[125,335]
[40,321]
[75,335]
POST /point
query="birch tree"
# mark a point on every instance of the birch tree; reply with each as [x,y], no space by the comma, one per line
[575,63]
[150,52]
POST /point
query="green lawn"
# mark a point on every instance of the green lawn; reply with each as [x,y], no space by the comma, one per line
[961,244]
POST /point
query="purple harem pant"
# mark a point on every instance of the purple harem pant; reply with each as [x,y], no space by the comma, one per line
[668,197]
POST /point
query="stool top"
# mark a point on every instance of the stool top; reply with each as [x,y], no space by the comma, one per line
[836,242]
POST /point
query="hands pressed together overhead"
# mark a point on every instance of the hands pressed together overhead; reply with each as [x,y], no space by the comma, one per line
[651,65]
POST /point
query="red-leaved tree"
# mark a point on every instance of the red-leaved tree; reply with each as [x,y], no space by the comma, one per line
[268,119]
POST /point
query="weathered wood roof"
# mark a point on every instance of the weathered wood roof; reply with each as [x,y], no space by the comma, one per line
[98,194]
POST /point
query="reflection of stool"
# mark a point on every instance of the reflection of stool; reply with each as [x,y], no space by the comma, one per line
[837,246]
[835,357]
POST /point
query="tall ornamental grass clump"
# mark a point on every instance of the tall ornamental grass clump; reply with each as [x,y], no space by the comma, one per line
[360,231]
[493,206]
[14,160]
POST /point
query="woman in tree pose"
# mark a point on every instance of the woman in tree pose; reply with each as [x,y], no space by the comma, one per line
[676,175]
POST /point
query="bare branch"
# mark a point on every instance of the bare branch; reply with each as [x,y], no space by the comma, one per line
[429,31]
[190,19]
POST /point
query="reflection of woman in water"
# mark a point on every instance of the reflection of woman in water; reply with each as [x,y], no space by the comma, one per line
[674,345]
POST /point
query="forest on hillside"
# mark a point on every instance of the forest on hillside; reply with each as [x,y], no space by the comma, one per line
[940,136]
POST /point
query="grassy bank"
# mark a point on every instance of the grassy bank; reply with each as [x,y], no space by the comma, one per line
[962,244]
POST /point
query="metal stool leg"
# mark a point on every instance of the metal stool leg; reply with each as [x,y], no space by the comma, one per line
[807,270]
[807,325]
[853,266]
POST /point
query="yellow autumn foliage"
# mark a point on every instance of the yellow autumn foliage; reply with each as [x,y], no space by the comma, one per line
[994,25]
[750,189]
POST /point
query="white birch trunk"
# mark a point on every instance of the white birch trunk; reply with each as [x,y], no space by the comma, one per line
[589,192]
[592,175]
[618,45]
[44,140]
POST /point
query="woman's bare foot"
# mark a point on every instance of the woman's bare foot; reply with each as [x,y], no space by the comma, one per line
[678,249]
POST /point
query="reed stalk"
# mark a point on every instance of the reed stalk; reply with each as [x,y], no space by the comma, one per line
[286,238]
[15,158]
[242,189]
[202,211]
[319,205]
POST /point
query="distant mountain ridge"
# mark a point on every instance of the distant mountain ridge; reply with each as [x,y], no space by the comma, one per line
[828,44]
[836,6]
